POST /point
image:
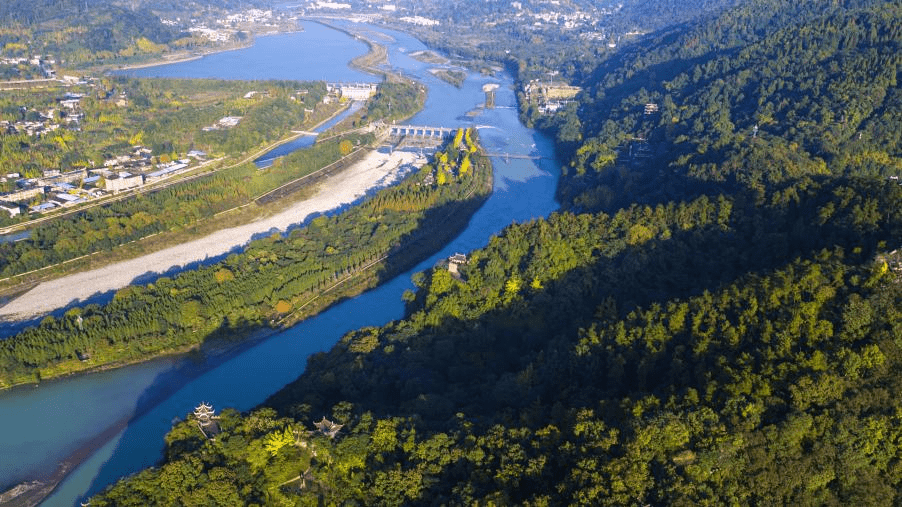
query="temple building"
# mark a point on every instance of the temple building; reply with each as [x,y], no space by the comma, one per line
[328,427]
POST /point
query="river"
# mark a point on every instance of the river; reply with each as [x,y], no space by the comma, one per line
[43,425]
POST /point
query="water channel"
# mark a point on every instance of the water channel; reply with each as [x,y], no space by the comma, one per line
[130,409]
[305,140]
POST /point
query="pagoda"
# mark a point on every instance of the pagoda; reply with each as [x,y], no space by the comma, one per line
[328,427]
[204,414]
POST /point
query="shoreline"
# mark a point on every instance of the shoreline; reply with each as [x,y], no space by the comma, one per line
[33,492]
[30,492]
[377,52]
[174,58]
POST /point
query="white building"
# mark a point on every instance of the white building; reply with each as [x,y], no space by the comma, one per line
[420,20]
[64,199]
[122,181]
[353,91]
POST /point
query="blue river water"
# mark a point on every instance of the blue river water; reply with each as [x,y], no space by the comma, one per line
[305,141]
[129,410]
[315,54]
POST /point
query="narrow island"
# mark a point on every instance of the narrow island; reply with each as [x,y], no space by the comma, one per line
[451,76]
[273,283]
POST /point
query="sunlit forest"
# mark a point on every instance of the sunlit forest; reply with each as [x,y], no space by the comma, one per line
[712,317]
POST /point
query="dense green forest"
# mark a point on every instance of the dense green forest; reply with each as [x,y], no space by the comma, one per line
[84,32]
[557,372]
[736,104]
[273,281]
[713,318]
[77,33]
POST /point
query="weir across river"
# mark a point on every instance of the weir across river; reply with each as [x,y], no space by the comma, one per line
[418,135]
[419,131]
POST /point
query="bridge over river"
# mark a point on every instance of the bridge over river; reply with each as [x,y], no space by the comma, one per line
[508,156]
[420,135]
[420,131]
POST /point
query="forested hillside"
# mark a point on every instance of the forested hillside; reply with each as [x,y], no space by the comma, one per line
[85,31]
[78,31]
[735,104]
[714,318]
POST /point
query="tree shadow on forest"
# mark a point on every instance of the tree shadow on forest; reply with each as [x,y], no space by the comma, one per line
[438,227]
[480,367]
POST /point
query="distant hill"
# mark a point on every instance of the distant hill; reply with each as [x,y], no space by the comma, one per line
[567,37]
[80,31]
[768,91]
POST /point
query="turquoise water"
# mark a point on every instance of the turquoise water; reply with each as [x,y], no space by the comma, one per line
[40,426]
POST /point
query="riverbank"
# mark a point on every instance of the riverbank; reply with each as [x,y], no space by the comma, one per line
[33,492]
